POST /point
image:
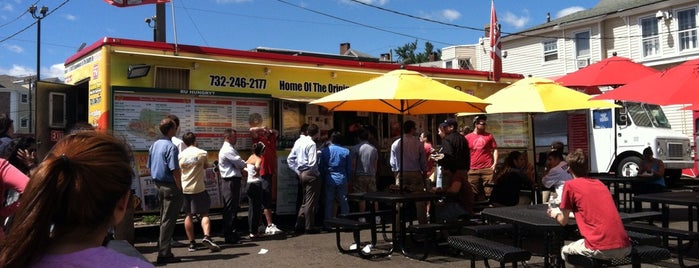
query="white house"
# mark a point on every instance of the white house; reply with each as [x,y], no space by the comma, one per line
[656,33]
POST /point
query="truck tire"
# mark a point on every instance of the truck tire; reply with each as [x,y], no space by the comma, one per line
[672,176]
[633,163]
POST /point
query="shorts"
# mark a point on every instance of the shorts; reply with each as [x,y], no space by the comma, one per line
[198,203]
[364,184]
[578,248]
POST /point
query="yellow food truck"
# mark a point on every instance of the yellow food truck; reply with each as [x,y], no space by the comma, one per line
[128,86]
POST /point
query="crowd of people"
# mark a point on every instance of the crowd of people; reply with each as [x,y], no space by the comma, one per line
[65,215]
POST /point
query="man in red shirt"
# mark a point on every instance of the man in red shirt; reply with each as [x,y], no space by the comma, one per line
[484,156]
[596,215]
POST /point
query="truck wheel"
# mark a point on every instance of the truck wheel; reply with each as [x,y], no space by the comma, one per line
[630,164]
[672,176]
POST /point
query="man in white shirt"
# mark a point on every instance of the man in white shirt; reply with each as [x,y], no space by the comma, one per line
[303,160]
[230,165]
[413,165]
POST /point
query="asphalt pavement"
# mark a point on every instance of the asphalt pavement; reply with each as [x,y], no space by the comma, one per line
[319,250]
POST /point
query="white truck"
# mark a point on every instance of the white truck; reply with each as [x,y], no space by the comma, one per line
[616,138]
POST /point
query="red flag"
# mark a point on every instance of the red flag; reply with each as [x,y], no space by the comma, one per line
[130,3]
[495,46]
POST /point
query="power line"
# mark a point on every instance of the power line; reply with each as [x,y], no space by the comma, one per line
[364,25]
[186,11]
[33,23]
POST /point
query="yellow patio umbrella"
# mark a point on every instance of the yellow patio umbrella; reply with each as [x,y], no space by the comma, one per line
[402,92]
[540,95]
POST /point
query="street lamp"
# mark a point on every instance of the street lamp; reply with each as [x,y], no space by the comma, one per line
[42,14]
[153,23]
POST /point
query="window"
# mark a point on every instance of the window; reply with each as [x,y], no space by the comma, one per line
[687,28]
[57,110]
[24,98]
[550,50]
[582,45]
[448,65]
[24,122]
[650,36]
[171,78]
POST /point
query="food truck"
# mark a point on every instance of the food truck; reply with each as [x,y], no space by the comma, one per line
[127,86]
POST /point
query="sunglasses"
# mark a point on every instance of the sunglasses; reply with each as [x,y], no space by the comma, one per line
[482,123]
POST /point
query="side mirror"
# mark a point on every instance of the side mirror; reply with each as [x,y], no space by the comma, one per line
[623,120]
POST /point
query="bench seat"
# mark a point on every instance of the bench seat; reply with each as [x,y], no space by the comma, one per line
[488,250]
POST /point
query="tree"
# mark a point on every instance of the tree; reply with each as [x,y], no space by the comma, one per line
[406,54]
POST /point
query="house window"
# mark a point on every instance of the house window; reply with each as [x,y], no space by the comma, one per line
[582,45]
[550,50]
[650,36]
[448,65]
[687,28]
[24,98]
[24,122]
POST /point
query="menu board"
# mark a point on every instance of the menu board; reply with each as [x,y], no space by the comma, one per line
[509,130]
[137,118]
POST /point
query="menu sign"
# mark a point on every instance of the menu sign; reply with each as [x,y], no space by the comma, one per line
[137,118]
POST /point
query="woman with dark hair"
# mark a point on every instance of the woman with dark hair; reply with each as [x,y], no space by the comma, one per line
[80,190]
[6,131]
[510,179]
[260,199]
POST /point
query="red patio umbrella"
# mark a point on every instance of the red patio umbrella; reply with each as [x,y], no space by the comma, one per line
[677,85]
[613,71]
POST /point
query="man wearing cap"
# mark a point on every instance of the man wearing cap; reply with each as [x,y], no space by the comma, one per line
[484,156]
[454,159]
[414,165]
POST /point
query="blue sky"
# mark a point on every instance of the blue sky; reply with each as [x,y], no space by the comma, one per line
[309,25]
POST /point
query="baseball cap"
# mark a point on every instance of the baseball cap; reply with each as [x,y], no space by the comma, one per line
[449,122]
[480,117]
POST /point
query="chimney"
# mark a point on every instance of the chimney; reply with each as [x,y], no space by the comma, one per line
[385,57]
[344,47]
[548,16]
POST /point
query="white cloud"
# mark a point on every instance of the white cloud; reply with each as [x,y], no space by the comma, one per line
[516,21]
[450,14]
[370,2]
[14,48]
[442,15]
[232,1]
[17,70]
[70,17]
[57,70]
[568,11]
[7,7]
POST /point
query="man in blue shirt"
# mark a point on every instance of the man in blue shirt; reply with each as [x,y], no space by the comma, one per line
[165,171]
[335,167]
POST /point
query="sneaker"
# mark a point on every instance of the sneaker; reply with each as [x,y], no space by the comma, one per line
[192,247]
[272,230]
[378,219]
[209,243]
[353,246]
[362,219]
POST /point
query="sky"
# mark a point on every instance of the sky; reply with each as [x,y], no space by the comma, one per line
[375,27]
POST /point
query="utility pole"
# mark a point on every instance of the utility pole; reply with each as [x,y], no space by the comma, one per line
[42,14]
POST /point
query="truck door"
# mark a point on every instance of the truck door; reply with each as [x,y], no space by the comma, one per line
[602,140]
[58,107]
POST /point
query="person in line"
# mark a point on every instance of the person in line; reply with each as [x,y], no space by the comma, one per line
[230,165]
[426,139]
[13,179]
[7,129]
[484,157]
[557,175]
[649,167]
[259,198]
[454,159]
[80,189]
[175,140]
[180,147]
[510,180]
[268,169]
[601,228]
[193,162]
[413,165]
[303,159]
[365,157]
[22,158]
[166,173]
[335,167]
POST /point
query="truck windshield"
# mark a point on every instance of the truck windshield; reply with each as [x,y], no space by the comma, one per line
[647,115]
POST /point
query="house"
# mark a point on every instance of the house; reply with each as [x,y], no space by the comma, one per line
[15,101]
[656,33]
